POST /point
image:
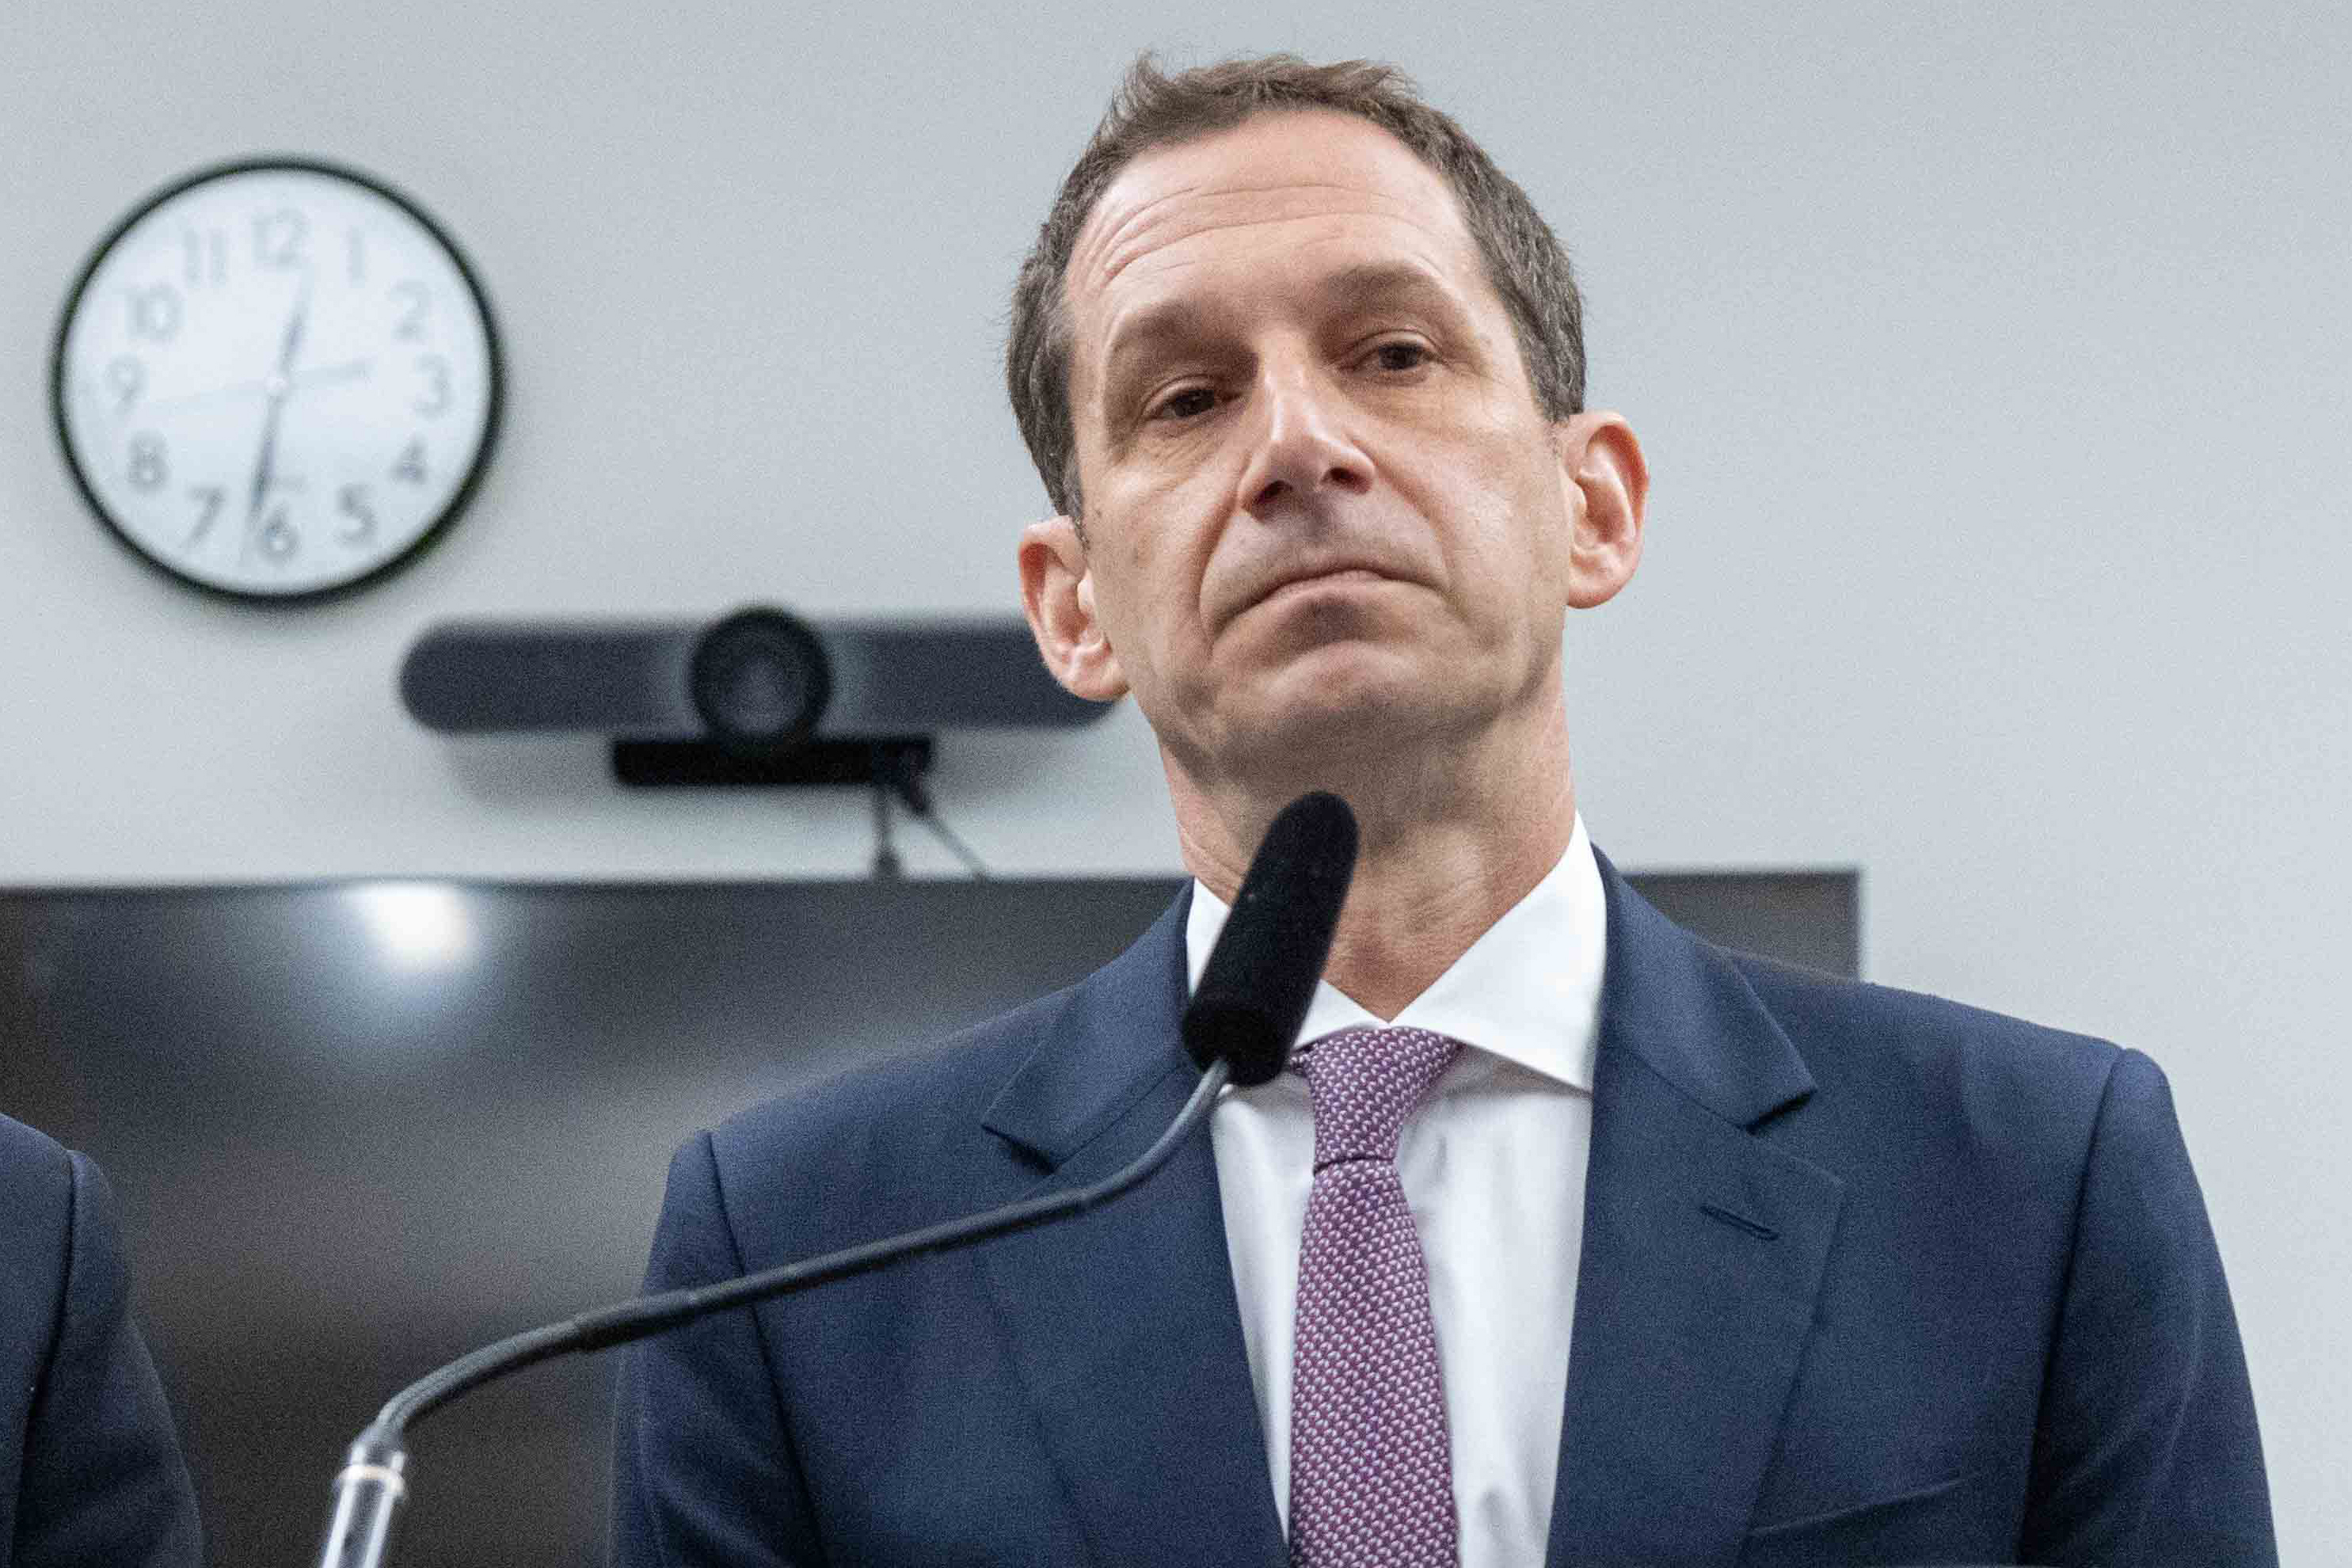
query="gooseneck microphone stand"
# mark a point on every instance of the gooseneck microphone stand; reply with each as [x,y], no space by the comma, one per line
[1238,1028]
[371,1485]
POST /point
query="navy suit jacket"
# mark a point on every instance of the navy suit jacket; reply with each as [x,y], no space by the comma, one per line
[1868,1277]
[90,1473]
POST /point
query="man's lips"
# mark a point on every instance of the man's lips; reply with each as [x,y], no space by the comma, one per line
[1334,574]
[1307,578]
[1322,579]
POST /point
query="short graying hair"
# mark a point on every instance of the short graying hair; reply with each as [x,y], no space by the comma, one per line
[1525,261]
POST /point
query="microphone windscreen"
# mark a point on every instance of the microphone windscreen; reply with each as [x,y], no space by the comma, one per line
[1261,976]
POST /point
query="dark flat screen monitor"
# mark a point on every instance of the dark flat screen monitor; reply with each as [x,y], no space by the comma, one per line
[357,1129]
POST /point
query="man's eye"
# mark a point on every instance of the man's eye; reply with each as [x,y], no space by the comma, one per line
[1403,355]
[1183,405]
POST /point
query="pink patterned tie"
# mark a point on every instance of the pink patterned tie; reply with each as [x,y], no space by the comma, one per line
[1372,1476]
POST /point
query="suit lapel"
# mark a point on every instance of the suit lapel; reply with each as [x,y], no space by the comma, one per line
[1123,1320]
[1704,1247]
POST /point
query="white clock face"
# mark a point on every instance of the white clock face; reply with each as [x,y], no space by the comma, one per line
[276,380]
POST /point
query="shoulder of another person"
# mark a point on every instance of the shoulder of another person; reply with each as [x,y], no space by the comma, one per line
[27,1154]
[36,1201]
[36,1183]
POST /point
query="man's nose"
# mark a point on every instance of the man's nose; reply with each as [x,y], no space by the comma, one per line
[1303,448]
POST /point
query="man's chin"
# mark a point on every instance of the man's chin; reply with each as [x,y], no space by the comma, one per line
[1321,712]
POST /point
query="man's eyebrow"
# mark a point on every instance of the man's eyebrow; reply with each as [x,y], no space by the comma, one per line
[1375,282]
[1360,283]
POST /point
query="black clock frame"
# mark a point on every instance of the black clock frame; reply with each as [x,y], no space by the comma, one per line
[493,354]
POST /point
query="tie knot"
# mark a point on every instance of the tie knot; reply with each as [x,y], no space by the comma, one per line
[1364,1083]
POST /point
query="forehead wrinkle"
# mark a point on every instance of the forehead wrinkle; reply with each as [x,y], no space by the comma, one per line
[1137,235]
[1100,242]
[1114,241]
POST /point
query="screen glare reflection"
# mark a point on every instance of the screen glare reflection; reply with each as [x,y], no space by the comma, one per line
[417,926]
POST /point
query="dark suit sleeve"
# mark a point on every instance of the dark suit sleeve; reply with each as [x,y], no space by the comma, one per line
[103,1481]
[2147,1451]
[702,1471]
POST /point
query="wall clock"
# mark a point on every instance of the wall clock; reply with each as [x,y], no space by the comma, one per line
[276,380]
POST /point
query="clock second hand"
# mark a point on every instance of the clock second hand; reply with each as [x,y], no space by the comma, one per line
[279,386]
[319,375]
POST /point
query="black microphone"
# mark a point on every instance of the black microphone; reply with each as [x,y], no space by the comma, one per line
[1240,1026]
[1253,995]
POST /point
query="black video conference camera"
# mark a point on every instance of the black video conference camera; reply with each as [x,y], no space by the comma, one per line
[758,696]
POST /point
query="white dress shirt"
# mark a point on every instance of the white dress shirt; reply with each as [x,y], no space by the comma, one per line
[1493,1165]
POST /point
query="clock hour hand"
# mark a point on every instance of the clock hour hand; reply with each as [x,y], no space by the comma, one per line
[292,342]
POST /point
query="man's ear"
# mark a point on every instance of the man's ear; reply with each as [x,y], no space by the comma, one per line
[1058,591]
[1601,459]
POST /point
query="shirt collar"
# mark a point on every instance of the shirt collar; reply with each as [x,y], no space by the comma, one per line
[1528,990]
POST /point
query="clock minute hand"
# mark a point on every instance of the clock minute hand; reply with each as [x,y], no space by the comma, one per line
[280,387]
[263,475]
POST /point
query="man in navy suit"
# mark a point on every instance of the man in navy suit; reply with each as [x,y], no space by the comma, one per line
[1712,1260]
[91,1474]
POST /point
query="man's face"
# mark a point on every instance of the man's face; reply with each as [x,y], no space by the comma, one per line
[1322,508]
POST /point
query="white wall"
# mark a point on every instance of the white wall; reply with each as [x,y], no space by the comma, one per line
[1991,361]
